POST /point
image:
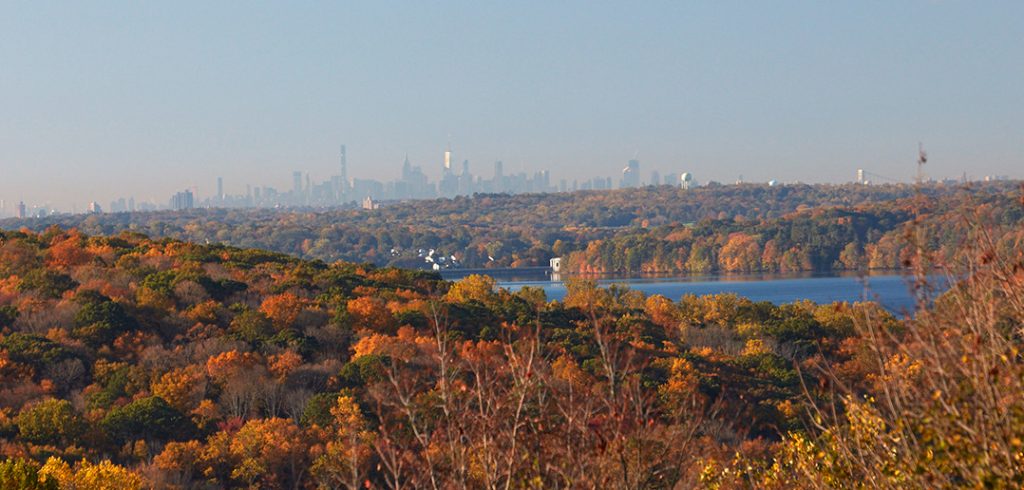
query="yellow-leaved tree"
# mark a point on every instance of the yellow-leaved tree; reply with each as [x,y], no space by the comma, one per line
[85,475]
[474,287]
[344,462]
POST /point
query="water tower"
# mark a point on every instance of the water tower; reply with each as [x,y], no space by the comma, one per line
[686,180]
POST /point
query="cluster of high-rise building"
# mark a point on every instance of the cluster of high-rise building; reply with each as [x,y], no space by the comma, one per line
[22,210]
[413,183]
[340,190]
[455,180]
[182,200]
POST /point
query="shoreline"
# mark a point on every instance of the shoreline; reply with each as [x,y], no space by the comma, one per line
[528,274]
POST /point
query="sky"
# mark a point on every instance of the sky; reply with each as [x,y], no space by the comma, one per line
[108,99]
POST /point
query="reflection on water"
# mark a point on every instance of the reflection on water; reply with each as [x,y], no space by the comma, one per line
[891,291]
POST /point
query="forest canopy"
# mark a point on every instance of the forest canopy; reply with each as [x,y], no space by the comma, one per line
[721,229]
[152,362]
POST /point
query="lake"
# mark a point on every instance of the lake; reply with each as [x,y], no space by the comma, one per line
[890,290]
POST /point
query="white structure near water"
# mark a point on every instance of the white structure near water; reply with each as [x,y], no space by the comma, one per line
[556,264]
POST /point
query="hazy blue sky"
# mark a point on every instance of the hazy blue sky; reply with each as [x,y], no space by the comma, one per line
[107,99]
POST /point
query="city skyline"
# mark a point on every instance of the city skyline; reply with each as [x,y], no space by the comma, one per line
[157,98]
[414,182]
[452,180]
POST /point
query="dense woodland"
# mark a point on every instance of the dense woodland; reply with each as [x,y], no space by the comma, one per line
[156,363]
[741,228]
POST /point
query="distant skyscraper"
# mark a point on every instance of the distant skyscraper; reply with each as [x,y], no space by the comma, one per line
[297,183]
[860,176]
[631,174]
[655,178]
[21,210]
[118,206]
[498,184]
[344,171]
[448,159]
[220,189]
[406,168]
[182,200]
[95,208]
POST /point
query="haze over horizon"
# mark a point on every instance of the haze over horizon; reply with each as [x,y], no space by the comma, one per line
[126,99]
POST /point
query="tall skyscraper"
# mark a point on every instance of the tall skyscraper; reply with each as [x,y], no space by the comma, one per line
[297,183]
[21,210]
[182,200]
[344,171]
[631,174]
[498,184]
[220,189]
[449,184]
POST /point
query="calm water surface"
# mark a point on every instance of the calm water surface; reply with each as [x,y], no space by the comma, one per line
[891,291]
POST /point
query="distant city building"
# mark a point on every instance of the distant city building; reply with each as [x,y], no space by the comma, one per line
[119,206]
[414,183]
[95,208]
[362,188]
[297,183]
[370,204]
[343,178]
[466,184]
[182,200]
[631,174]
[22,214]
[499,180]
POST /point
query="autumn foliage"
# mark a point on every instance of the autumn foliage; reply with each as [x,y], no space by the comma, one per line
[128,362]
